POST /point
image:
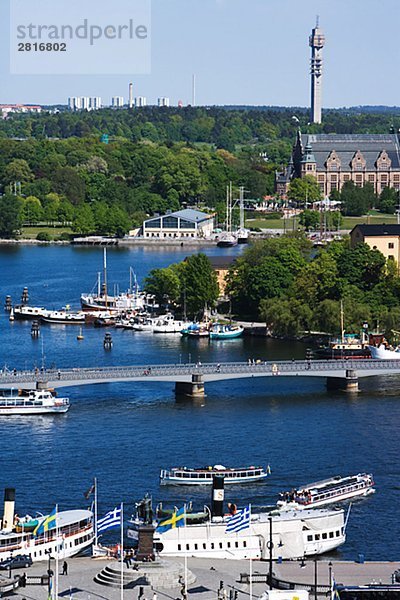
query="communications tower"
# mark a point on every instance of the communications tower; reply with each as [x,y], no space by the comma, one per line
[317,42]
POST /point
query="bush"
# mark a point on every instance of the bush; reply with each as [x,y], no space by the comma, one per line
[64,237]
[43,236]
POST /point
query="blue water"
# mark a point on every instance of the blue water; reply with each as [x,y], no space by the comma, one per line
[125,433]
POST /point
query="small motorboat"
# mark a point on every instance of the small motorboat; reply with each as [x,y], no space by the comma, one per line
[329,491]
[204,476]
[225,332]
[228,240]
[197,330]
[168,324]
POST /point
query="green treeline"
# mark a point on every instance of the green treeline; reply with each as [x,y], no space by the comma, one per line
[280,281]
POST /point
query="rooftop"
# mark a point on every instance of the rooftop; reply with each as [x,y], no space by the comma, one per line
[377,230]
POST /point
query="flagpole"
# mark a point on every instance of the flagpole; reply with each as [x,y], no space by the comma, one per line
[57,557]
[186,565]
[95,511]
[251,565]
[122,551]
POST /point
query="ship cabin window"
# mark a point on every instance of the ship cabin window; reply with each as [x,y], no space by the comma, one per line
[186,475]
[212,545]
[331,534]
[228,544]
[220,545]
[324,536]
[337,533]
[244,544]
[179,547]
[317,536]
[196,547]
[342,530]
[187,547]
[236,544]
[204,546]
[309,538]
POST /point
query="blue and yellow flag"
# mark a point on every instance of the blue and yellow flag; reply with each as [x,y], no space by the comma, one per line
[47,524]
[177,519]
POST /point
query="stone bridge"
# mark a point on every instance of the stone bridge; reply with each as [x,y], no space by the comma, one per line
[189,379]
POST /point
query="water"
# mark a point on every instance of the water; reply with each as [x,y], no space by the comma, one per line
[125,433]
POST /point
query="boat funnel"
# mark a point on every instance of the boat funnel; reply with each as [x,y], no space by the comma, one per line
[9,505]
[218,495]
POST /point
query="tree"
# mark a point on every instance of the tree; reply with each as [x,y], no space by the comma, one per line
[388,200]
[83,221]
[304,190]
[199,283]
[67,182]
[10,215]
[309,219]
[164,284]
[18,170]
[31,210]
[356,201]
[362,266]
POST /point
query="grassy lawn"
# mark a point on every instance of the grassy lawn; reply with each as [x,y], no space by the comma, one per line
[348,222]
[30,233]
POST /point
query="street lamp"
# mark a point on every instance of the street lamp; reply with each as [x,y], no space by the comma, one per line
[270,547]
[330,579]
[49,572]
[315,579]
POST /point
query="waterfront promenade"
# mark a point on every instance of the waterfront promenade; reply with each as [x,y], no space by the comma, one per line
[79,583]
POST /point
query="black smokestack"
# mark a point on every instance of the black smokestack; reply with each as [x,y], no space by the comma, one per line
[217,498]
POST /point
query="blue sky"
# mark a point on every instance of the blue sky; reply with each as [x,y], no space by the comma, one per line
[243,52]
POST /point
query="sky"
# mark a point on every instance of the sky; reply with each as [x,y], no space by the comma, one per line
[252,52]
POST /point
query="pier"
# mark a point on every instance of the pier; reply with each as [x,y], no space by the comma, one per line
[190,379]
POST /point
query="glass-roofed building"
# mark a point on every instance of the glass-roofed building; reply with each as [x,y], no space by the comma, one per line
[186,223]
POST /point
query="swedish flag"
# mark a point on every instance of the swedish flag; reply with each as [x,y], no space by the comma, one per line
[176,520]
[50,522]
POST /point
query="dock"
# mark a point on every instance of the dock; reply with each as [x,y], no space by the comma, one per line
[79,584]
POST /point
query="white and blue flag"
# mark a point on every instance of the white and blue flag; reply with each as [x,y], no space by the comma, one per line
[239,521]
[112,520]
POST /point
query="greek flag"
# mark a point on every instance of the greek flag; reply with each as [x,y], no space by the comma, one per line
[239,521]
[112,520]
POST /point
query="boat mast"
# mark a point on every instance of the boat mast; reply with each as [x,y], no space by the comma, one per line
[241,206]
[342,320]
[230,206]
[99,284]
[105,274]
[227,210]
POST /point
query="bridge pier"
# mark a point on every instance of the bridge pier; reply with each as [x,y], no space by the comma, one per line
[190,389]
[347,384]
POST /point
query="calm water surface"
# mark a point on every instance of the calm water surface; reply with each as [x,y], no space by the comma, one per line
[125,433]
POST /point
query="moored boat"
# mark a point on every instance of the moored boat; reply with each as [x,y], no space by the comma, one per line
[204,476]
[32,402]
[67,533]
[64,317]
[168,324]
[228,240]
[197,330]
[24,312]
[225,332]
[329,491]
[383,352]
[294,534]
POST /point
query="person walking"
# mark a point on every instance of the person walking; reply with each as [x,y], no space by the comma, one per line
[65,568]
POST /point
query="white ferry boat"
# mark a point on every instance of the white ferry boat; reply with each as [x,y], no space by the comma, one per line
[294,535]
[32,402]
[204,476]
[329,491]
[64,317]
[74,534]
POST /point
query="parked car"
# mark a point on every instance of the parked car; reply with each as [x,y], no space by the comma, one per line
[20,561]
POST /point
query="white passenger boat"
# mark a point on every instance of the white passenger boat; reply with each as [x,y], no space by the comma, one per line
[294,534]
[204,476]
[64,317]
[74,534]
[168,324]
[32,402]
[329,491]
[382,352]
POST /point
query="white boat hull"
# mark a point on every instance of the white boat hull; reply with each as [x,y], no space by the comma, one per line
[315,532]
[321,503]
[382,353]
[227,481]
[32,410]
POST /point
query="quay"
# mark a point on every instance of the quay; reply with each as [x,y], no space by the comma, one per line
[80,583]
[190,379]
